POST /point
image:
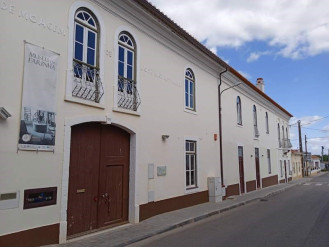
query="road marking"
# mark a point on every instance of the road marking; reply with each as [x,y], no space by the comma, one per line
[318,184]
[307,184]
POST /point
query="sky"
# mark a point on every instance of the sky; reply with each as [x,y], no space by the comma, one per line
[286,42]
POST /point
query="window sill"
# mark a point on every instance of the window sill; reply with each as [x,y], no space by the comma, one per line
[190,111]
[191,190]
[121,110]
[84,102]
[239,125]
[256,138]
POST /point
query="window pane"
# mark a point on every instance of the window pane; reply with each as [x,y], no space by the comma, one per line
[130,72]
[192,178]
[121,54]
[191,88]
[187,162]
[79,33]
[122,38]
[191,146]
[121,69]
[77,72]
[187,179]
[130,58]
[91,22]
[91,39]
[91,56]
[80,16]
[187,146]
[192,162]
[78,51]
[191,101]
[87,16]
[186,86]
[130,43]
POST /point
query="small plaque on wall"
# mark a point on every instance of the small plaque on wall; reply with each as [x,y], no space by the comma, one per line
[40,197]
[161,170]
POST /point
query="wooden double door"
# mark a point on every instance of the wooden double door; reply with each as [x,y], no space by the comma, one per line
[99,177]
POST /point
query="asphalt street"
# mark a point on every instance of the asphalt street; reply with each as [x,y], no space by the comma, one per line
[298,217]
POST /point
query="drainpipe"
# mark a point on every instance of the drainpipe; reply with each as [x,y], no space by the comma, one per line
[220,127]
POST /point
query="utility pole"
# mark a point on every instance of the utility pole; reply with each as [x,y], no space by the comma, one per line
[301,148]
[306,155]
[322,153]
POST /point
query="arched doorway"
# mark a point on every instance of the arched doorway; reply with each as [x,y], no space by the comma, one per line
[98,192]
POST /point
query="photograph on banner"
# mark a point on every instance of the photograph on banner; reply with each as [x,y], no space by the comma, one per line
[38,125]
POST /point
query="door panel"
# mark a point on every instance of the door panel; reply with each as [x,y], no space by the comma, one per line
[241,169]
[99,177]
[83,179]
[114,176]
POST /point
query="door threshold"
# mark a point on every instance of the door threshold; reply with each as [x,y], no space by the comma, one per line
[95,232]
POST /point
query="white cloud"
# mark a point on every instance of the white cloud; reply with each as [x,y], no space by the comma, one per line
[256,55]
[314,145]
[326,128]
[294,28]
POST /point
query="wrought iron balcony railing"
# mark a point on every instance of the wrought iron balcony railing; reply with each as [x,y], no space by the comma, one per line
[87,83]
[286,143]
[128,96]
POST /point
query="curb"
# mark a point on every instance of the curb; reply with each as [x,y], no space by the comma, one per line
[205,216]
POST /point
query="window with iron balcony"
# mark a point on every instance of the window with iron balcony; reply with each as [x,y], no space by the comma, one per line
[87,84]
[128,96]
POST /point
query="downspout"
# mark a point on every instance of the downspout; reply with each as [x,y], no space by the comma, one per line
[220,127]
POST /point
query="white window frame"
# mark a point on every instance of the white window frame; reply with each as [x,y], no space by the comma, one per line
[256,131]
[101,37]
[131,32]
[192,156]
[239,110]
[127,48]
[267,123]
[279,136]
[190,189]
[193,80]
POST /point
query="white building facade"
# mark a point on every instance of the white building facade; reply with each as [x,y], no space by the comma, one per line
[256,144]
[114,119]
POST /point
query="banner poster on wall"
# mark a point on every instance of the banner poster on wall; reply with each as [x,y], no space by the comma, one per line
[38,125]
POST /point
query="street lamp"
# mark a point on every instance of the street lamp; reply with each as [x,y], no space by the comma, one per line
[220,122]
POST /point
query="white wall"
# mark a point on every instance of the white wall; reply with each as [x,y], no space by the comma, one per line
[161,77]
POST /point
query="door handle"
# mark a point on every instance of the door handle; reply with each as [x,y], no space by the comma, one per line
[105,195]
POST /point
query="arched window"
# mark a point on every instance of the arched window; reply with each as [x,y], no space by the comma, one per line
[287,136]
[189,90]
[127,89]
[85,56]
[238,110]
[266,123]
[255,121]
[279,138]
[126,58]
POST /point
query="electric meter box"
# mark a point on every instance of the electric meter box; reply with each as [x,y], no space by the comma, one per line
[215,189]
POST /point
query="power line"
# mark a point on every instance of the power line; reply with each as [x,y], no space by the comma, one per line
[312,129]
[311,121]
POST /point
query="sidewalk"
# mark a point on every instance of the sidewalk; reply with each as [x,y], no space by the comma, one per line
[129,234]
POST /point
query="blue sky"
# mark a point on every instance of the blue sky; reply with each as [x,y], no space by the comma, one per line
[286,42]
